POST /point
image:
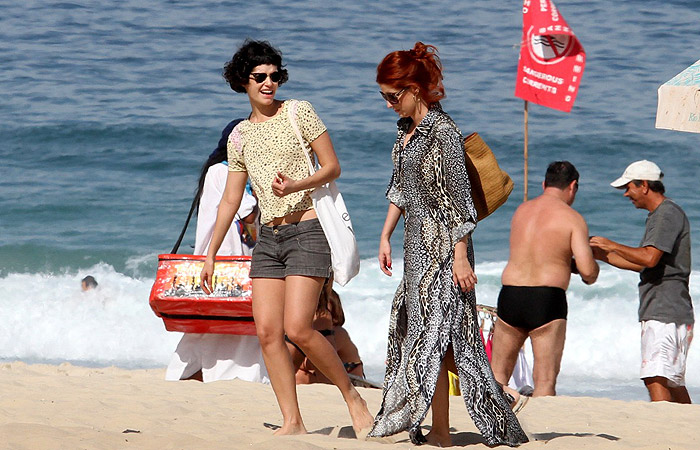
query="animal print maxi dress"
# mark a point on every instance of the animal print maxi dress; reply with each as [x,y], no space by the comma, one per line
[429,183]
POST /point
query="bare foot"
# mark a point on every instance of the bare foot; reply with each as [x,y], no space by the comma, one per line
[290,429]
[362,420]
[439,439]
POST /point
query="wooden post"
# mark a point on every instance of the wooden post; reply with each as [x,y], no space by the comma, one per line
[525,156]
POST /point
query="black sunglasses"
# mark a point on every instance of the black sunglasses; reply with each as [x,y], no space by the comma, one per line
[392,98]
[261,77]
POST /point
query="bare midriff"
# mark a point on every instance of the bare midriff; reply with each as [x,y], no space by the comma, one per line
[295,217]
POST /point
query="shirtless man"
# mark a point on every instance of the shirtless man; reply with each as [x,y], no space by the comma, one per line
[548,241]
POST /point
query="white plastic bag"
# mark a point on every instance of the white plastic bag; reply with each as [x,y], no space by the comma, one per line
[333,216]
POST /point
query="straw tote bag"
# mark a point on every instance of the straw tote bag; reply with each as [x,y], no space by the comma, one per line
[333,216]
[490,184]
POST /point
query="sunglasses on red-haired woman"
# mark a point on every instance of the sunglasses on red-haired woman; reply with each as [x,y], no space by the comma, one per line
[392,98]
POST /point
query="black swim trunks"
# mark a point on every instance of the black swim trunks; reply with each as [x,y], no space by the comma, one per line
[530,307]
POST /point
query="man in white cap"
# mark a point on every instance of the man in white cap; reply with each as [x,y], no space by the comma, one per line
[663,262]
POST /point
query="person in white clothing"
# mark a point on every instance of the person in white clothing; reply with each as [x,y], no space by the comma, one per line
[214,183]
[213,357]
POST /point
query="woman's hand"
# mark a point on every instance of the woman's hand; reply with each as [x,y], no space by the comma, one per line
[205,276]
[462,273]
[283,185]
[385,256]
[392,217]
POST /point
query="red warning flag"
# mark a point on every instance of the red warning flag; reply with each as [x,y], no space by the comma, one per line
[551,58]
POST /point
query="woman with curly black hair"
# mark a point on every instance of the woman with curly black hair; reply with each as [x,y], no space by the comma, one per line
[292,259]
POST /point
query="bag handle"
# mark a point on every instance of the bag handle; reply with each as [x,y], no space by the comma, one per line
[195,202]
[234,138]
[237,142]
[291,113]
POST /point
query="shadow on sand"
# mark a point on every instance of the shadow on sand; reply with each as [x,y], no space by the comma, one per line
[550,436]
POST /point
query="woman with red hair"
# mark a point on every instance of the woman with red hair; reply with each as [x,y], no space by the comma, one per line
[433,324]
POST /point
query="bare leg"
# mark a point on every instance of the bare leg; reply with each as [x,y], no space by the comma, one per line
[347,351]
[301,298]
[297,357]
[197,376]
[547,348]
[440,431]
[268,312]
[507,342]
[659,391]
[680,395]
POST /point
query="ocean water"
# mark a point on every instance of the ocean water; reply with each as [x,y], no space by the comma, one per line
[109,109]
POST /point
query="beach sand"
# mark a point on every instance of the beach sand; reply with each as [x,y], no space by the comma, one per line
[70,407]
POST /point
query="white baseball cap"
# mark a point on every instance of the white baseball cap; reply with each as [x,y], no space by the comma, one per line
[639,170]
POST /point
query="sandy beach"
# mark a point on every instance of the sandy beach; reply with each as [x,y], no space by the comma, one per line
[64,406]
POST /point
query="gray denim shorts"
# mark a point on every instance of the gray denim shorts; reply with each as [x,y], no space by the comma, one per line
[294,249]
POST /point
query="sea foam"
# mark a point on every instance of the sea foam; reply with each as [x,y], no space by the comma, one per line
[49,319]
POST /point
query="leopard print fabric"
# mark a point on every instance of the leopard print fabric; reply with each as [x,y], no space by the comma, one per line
[430,184]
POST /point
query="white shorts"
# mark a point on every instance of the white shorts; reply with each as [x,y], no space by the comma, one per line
[665,350]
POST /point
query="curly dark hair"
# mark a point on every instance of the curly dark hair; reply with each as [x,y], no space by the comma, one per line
[250,55]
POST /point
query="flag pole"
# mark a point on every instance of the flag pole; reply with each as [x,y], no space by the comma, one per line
[525,155]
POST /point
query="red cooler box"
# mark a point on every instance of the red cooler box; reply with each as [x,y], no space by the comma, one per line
[178,299]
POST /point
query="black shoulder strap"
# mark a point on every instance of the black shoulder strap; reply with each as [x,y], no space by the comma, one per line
[187,222]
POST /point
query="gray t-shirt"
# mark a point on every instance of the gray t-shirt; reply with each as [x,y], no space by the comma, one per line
[663,289]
